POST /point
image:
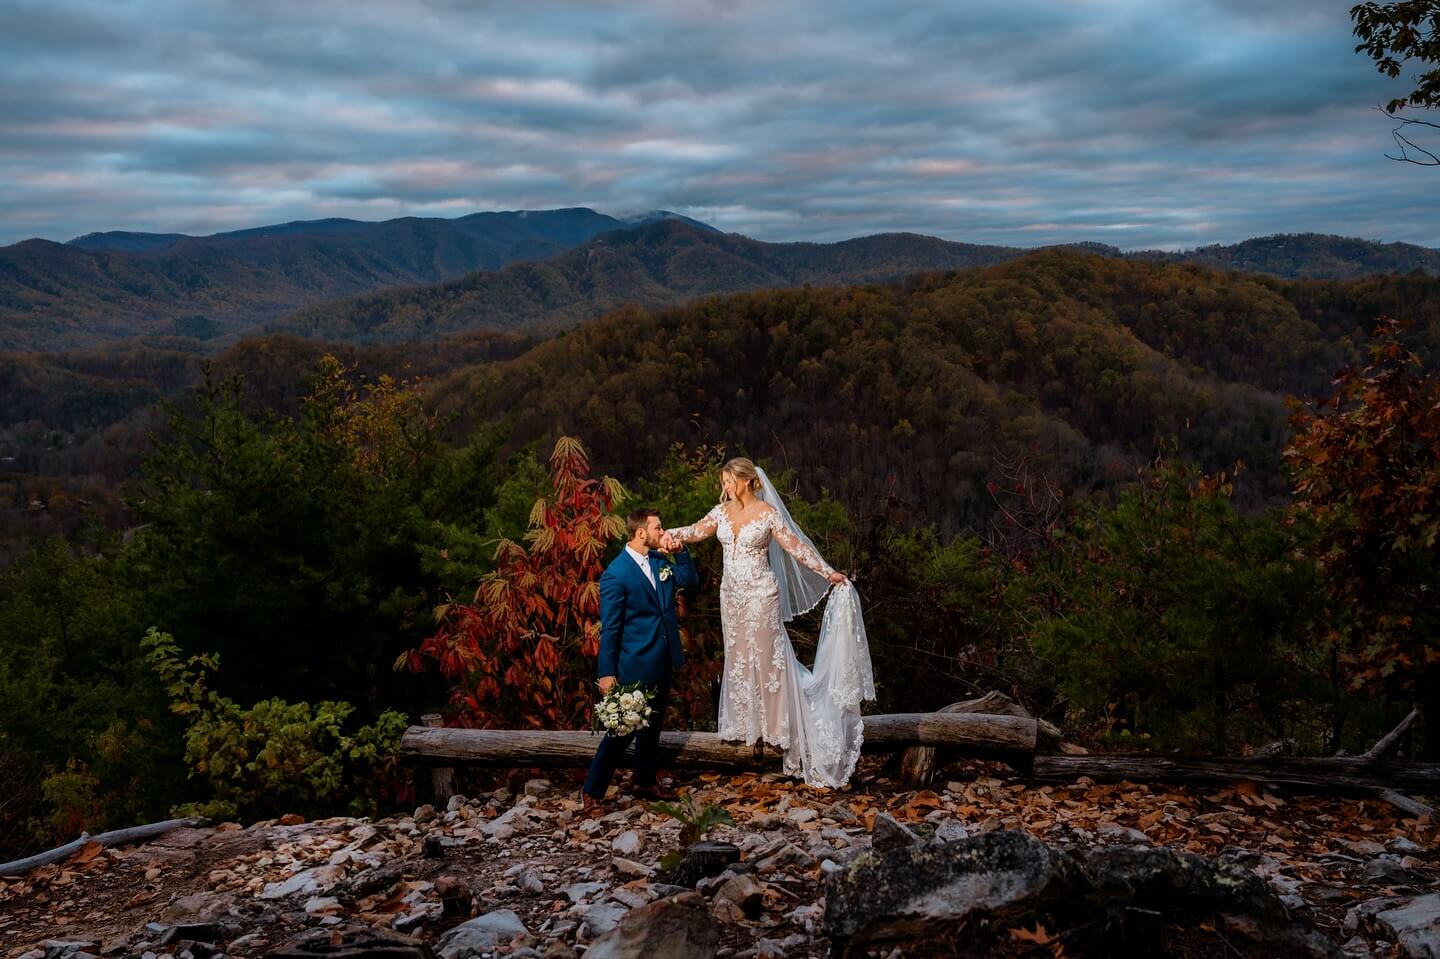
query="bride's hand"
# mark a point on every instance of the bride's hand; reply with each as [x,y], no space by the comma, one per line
[837,578]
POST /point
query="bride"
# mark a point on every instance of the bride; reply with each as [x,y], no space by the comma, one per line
[773,573]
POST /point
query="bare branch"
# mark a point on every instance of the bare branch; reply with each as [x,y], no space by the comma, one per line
[1390,740]
[1030,506]
[1407,145]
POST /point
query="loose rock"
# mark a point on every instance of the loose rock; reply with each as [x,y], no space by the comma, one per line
[629,867]
[744,892]
[1386,870]
[627,844]
[675,928]
[1415,926]
[889,833]
[575,892]
[889,895]
[603,917]
[481,934]
[790,856]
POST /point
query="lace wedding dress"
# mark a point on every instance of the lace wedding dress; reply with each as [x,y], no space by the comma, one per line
[772,573]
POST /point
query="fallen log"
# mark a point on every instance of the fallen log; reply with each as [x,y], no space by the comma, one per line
[1369,773]
[976,734]
[116,837]
[1011,739]
[1330,774]
[917,763]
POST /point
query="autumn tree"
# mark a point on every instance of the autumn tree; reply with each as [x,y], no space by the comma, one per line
[1393,34]
[522,652]
[1365,463]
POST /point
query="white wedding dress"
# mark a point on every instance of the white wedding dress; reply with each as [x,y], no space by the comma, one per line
[772,573]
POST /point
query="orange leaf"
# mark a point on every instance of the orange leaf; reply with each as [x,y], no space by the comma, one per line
[1038,935]
[88,852]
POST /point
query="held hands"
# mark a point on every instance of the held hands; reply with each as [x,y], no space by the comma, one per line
[671,544]
[838,578]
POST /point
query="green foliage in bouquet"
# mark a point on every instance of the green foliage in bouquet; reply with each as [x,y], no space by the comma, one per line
[275,756]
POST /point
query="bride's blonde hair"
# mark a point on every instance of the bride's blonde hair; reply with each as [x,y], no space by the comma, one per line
[744,472]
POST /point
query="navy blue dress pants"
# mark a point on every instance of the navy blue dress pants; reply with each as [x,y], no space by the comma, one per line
[647,750]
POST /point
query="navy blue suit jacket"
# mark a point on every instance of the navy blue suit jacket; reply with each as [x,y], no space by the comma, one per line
[639,631]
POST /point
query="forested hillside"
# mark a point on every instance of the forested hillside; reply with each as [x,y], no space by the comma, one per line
[1315,256]
[1077,361]
[671,262]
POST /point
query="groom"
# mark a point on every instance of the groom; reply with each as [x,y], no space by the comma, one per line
[639,643]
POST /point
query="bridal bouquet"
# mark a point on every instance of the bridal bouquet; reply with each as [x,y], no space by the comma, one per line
[623,710]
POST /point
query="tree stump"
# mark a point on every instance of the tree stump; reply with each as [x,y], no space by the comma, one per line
[917,763]
[442,778]
[701,861]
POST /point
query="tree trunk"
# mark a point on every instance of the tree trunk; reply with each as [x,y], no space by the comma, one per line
[117,837]
[918,763]
[977,734]
[1334,774]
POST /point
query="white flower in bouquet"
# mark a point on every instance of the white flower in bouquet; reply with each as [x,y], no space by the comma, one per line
[622,711]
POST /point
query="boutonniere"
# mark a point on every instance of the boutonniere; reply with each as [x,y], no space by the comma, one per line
[665,570]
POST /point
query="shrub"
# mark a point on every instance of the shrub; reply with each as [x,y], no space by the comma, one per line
[274,756]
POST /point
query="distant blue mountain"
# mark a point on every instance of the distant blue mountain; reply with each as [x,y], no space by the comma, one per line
[104,286]
[655,216]
[566,228]
[128,242]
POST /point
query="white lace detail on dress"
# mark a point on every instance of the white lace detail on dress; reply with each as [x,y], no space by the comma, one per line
[766,693]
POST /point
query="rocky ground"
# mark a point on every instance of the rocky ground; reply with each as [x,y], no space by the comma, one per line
[948,871]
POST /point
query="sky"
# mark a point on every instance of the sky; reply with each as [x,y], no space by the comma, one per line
[1138,123]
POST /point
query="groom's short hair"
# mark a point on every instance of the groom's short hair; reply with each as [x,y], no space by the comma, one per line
[638,518]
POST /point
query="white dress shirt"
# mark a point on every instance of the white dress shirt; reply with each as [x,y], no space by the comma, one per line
[644,562]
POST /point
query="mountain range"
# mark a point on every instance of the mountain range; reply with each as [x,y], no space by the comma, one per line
[525,270]
[661,264]
[668,263]
[110,286]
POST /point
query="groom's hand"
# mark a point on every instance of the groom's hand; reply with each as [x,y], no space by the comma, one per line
[607,683]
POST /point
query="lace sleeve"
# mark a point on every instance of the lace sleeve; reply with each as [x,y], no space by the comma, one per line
[695,533]
[791,544]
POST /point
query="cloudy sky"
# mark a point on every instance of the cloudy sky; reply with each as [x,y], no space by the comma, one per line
[1141,123]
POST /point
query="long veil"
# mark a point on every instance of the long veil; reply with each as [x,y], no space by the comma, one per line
[829,737]
[801,588]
